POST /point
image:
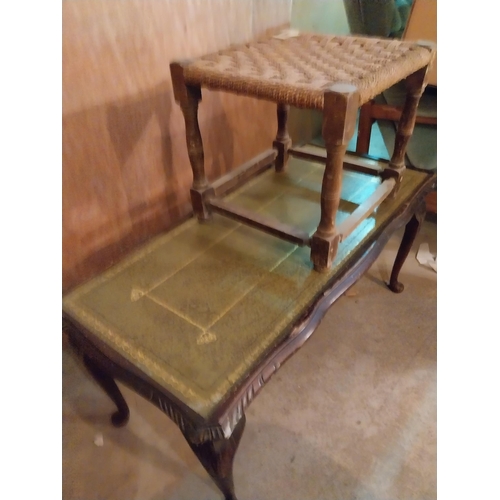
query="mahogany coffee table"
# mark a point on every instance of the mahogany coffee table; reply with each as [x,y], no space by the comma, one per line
[198,319]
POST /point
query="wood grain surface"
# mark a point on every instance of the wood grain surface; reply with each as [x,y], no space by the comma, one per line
[126,173]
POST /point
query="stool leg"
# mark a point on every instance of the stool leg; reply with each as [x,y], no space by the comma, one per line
[341,103]
[415,85]
[106,381]
[411,232]
[188,97]
[218,456]
[282,142]
[365,126]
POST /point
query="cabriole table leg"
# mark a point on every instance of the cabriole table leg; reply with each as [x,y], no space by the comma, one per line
[411,231]
[218,456]
[108,384]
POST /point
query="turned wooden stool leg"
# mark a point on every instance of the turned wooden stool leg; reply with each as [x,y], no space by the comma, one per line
[339,121]
[411,232]
[120,417]
[415,85]
[188,97]
[365,125]
[282,142]
[218,456]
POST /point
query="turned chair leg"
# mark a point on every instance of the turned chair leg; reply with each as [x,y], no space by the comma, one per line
[107,383]
[341,103]
[217,458]
[188,97]
[365,125]
[411,231]
[282,142]
[415,86]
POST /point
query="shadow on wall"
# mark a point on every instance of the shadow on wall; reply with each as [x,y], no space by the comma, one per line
[217,134]
[131,175]
[127,122]
[126,174]
[128,119]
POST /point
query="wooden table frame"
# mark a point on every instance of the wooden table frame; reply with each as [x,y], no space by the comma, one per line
[214,450]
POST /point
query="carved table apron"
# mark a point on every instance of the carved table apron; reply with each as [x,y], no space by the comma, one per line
[199,319]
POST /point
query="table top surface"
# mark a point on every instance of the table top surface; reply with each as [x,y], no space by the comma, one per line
[297,69]
[196,308]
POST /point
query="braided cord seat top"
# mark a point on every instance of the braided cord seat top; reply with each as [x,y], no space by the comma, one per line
[298,70]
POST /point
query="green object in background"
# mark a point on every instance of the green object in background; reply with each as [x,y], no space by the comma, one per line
[320,16]
[385,18]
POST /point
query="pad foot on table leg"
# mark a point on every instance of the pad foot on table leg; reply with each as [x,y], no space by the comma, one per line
[217,458]
[411,232]
[107,383]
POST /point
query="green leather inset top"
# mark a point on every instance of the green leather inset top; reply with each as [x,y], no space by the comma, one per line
[197,307]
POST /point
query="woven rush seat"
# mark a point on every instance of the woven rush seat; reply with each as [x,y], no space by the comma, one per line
[298,70]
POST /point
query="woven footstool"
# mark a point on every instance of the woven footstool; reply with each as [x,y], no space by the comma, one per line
[334,74]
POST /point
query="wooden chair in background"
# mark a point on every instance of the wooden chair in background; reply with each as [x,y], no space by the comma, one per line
[422,25]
